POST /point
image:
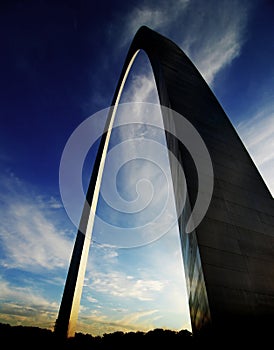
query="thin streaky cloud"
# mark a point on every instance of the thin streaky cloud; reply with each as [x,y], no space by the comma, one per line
[30,233]
[214,41]
[257,133]
[24,296]
[91,299]
[121,285]
[157,16]
[100,324]
[258,128]
[142,89]
[136,317]
[29,306]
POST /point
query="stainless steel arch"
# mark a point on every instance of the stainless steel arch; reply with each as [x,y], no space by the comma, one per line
[160,51]
[221,272]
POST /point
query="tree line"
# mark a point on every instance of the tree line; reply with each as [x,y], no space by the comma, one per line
[40,338]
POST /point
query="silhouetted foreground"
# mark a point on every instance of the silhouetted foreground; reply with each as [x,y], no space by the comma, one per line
[39,338]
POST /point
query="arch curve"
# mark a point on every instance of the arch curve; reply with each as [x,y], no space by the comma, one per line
[222,290]
[166,60]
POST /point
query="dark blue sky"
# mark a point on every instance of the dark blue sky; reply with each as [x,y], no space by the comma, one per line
[61,60]
[59,64]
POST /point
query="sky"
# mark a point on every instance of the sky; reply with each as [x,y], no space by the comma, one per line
[60,62]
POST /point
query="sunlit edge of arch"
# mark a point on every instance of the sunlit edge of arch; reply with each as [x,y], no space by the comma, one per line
[111,118]
[91,218]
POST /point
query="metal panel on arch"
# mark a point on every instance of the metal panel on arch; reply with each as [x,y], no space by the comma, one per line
[229,259]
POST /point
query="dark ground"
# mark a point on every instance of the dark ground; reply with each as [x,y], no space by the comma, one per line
[22,337]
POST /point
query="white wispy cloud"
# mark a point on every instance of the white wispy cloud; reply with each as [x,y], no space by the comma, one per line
[23,295]
[257,133]
[26,306]
[91,299]
[136,289]
[140,320]
[132,139]
[156,282]
[159,15]
[144,179]
[213,37]
[101,257]
[99,324]
[30,236]
[211,33]
[119,284]
[142,88]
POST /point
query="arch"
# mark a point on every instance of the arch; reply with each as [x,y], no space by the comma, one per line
[160,52]
[221,288]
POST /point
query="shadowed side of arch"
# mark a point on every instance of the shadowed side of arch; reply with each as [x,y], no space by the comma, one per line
[230,288]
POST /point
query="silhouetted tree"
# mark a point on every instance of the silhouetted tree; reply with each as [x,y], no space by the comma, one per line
[38,338]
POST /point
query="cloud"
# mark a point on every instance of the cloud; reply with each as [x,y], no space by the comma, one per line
[142,88]
[139,193]
[257,133]
[143,168]
[30,236]
[26,306]
[101,257]
[99,324]
[130,302]
[119,284]
[159,15]
[211,33]
[135,289]
[91,299]
[23,295]
[35,253]
[136,317]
